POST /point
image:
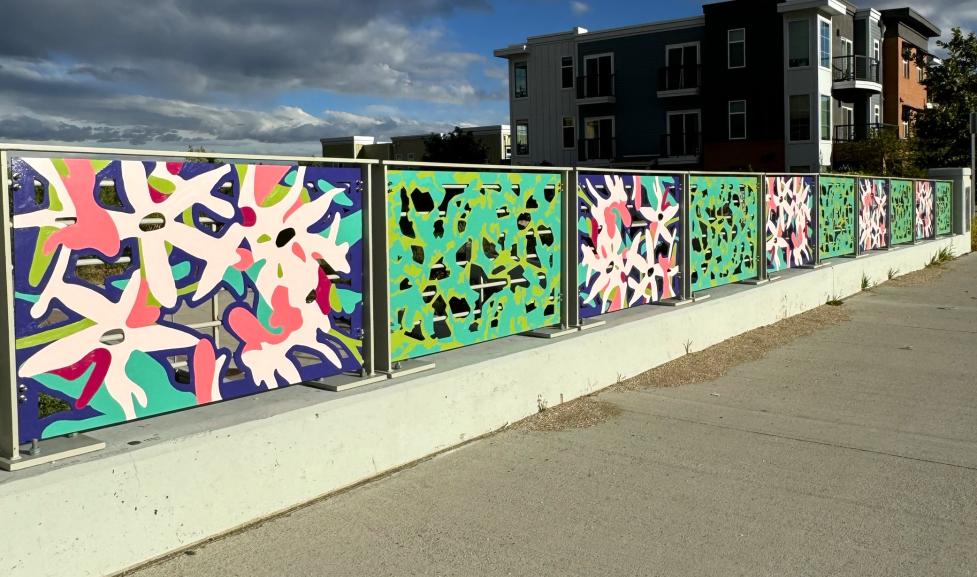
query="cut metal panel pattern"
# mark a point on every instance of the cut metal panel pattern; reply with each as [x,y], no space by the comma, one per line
[872,218]
[117,265]
[628,233]
[944,208]
[724,230]
[836,216]
[790,227]
[474,256]
[925,210]
[903,219]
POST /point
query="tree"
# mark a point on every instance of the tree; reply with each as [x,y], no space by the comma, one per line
[942,131]
[458,146]
[882,153]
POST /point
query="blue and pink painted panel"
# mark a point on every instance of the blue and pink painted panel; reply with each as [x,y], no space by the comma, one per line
[790,224]
[628,237]
[116,265]
[873,216]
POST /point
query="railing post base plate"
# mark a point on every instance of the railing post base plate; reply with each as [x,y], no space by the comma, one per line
[51,450]
[672,302]
[551,332]
[345,382]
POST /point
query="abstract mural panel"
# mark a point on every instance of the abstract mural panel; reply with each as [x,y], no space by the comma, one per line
[473,256]
[724,232]
[872,217]
[836,216]
[925,209]
[628,234]
[903,210]
[119,265]
[944,207]
[790,226]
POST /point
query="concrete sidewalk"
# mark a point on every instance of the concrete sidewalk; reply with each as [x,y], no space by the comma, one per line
[849,452]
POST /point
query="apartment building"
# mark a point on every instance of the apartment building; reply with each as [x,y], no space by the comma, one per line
[495,138]
[749,85]
[905,50]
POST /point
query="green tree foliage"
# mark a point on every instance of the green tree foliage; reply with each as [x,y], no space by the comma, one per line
[458,146]
[883,153]
[942,131]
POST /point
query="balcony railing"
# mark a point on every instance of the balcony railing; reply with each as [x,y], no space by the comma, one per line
[679,78]
[595,86]
[597,148]
[681,144]
[856,67]
[853,132]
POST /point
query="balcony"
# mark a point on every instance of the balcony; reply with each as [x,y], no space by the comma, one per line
[679,80]
[854,132]
[597,148]
[595,89]
[855,72]
[680,148]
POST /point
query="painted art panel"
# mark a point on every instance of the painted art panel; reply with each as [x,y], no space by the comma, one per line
[872,216]
[790,224]
[836,216]
[628,236]
[474,256]
[724,233]
[902,197]
[117,265]
[925,210]
[944,207]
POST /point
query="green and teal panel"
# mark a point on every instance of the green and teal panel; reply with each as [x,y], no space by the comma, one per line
[836,216]
[473,256]
[903,211]
[723,229]
[944,207]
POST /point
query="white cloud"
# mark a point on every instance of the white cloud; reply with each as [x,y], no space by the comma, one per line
[579,8]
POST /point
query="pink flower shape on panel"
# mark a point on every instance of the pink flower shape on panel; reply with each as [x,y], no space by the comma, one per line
[120,328]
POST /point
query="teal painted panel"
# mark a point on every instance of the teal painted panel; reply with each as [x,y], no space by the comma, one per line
[474,256]
[944,209]
[836,216]
[903,216]
[724,235]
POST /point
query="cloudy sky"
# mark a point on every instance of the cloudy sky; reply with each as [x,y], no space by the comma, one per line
[277,75]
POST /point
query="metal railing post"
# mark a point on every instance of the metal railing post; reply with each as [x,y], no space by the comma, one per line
[380,295]
[686,238]
[762,219]
[9,427]
[817,219]
[369,302]
[858,216]
[888,213]
[571,213]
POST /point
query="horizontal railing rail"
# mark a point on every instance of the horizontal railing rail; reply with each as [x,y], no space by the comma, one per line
[679,78]
[855,67]
[595,86]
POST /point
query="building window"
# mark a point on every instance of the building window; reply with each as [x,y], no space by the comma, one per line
[410,156]
[520,84]
[737,119]
[905,60]
[598,76]
[522,137]
[566,69]
[682,66]
[920,72]
[684,131]
[569,132]
[736,48]
[799,40]
[848,61]
[825,118]
[599,138]
[800,117]
[876,115]
[825,36]
[876,54]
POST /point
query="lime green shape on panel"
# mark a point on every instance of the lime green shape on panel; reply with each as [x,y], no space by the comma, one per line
[836,216]
[724,232]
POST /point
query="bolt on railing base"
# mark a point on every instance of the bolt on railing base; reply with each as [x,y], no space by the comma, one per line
[51,450]
[408,367]
[346,382]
